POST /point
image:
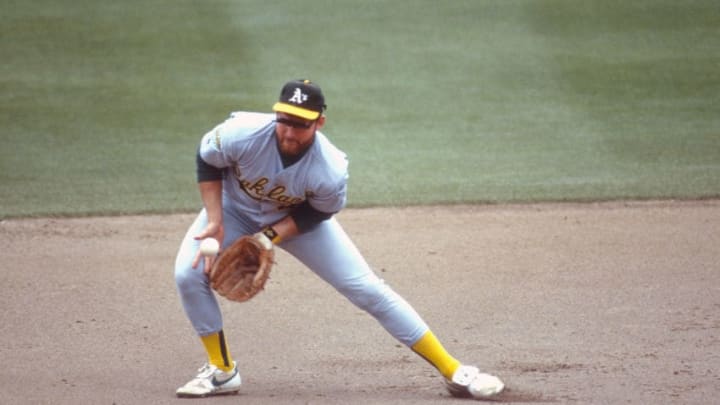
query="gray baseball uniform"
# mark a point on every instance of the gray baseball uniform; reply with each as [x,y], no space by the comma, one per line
[258,190]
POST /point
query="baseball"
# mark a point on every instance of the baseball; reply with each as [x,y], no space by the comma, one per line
[209,247]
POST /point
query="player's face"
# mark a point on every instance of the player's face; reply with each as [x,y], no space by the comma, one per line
[295,134]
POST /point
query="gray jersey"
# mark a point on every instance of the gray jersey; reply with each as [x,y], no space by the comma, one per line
[258,191]
[257,184]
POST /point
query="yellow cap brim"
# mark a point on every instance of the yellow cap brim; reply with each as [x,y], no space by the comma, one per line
[296,111]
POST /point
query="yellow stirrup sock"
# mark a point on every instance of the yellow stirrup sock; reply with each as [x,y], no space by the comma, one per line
[430,348]
[216,348]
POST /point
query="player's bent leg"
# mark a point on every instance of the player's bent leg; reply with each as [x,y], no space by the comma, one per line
[219,375]
[396,315]
[371,294]
[198,299]
[342,266]
[196,296]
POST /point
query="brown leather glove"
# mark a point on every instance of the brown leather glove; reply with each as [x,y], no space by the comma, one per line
[241,270]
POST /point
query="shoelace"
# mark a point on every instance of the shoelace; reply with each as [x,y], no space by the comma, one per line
[206,371]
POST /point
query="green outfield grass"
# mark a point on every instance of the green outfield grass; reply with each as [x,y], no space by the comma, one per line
[102,102]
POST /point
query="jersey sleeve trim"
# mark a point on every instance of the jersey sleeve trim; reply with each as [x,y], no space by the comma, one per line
[206,171]
[306,217]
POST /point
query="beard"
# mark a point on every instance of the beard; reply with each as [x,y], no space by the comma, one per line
[292,148]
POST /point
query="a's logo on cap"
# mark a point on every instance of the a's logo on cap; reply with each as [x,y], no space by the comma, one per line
[301,98]
[298,97]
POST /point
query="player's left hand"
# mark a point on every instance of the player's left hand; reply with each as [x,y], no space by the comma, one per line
[242,270]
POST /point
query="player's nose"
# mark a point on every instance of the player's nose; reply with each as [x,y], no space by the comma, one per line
[292,133]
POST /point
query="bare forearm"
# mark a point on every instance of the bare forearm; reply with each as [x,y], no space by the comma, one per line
[286,228]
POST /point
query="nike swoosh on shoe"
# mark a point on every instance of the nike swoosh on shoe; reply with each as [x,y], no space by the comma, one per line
[217,383]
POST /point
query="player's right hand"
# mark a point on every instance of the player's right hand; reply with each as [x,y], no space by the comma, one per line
[211,231]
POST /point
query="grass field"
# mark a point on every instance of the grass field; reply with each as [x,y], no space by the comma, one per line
[102,102]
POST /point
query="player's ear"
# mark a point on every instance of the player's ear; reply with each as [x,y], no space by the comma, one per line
[320,121]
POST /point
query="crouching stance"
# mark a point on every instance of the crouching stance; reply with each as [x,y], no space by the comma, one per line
[277,176]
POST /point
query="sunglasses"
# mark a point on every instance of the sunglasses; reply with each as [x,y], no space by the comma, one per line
[295,124]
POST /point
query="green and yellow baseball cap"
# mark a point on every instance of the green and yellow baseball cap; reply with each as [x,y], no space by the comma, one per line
[301,98]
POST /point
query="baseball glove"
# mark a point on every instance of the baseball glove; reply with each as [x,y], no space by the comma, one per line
[241,270]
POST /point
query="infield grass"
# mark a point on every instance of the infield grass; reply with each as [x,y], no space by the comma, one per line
[102,103]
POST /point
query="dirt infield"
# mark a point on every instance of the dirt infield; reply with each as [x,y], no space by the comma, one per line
[569,303]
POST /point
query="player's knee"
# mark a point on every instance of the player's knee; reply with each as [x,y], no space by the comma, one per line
[187,279]
[369,293]
[182,280]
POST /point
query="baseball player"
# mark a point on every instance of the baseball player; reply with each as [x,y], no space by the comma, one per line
[277,176]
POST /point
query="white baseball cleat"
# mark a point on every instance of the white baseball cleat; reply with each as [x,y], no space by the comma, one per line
[211,381]
[469,382]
